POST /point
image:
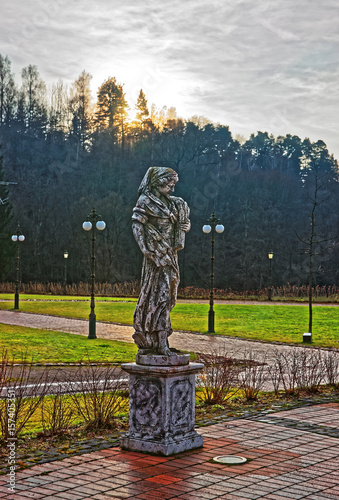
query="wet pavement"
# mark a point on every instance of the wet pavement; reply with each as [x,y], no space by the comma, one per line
[283,462]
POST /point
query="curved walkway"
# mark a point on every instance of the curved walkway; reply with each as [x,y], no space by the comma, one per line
[187,341]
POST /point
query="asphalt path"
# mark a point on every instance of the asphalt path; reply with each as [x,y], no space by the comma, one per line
[230,347]
[181,340]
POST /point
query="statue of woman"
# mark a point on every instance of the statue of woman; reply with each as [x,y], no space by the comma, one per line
[160,222]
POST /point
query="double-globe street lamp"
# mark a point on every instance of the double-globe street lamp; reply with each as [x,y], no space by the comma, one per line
[17,237]
[93,219]
[213,225]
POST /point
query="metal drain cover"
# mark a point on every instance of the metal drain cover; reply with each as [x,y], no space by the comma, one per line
[230,460]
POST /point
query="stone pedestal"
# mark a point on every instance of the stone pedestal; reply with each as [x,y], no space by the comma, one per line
[161,406]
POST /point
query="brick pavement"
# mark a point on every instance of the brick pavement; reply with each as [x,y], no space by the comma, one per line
[284,463]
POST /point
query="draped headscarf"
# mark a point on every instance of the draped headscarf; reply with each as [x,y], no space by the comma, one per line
[152,177]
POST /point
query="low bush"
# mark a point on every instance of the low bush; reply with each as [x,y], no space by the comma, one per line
[219,380]
[252,376]
[97,396]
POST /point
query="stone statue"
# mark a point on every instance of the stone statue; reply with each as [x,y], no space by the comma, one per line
[160,222]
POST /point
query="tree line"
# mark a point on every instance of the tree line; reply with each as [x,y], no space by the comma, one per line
[68,153]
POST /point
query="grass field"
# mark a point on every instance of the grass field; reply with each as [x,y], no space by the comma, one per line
[45,346]
[270,323]
[62,298]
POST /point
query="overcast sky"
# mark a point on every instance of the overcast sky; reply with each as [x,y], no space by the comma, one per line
[269,65]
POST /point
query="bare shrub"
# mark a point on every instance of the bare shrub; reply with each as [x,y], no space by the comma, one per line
[218,382]
[20,398]
[331,367]
[127,288]
[310,369]
[97,394]
[253,375]
[287,365]
[274,371]
[299,369]
[57,412]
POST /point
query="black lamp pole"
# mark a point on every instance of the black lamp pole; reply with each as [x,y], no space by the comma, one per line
[270,291]
[213,225]
[17,237]
[65,270]
[93,218]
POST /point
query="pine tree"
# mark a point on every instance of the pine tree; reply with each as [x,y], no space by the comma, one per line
[111,109]
[141,108]
[33,94]
[81,109]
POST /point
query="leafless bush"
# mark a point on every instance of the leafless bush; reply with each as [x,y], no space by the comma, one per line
[274,372]
[127,288]
[19,397]
[331,367]
[287,366]
[298,369]
[310,369]
[253,375]
[98,394]
[218,382]
[57,412]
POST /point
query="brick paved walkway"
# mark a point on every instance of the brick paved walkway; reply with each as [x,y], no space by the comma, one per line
[284,463]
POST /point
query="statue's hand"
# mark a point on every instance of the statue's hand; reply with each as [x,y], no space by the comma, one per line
[185,226]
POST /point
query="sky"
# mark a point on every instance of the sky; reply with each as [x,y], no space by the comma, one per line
[268,65]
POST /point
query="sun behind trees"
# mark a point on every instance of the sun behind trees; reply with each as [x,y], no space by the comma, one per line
[69,151]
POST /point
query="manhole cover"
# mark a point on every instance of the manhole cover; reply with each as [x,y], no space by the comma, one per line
[230,460]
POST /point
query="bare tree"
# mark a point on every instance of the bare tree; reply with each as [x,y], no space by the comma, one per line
[318,175]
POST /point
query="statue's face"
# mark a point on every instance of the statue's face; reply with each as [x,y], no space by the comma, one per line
[168,188]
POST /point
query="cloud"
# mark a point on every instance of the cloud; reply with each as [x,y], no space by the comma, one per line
[251,64]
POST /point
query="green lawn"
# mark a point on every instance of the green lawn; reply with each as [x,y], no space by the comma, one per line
[46,346]
[24,297]
[119,312]
[271,323]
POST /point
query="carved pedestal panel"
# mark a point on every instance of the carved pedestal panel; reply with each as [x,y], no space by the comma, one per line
[161,409]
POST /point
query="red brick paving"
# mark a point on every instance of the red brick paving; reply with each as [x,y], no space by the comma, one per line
[284,463]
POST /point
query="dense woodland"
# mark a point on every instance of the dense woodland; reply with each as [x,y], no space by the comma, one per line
[69,151]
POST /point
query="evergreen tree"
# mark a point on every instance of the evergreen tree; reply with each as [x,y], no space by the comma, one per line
[33,96]
[111,110]
[141,108]
[81,110]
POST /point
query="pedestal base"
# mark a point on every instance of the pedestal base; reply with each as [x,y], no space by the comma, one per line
[161,409]
[162,448]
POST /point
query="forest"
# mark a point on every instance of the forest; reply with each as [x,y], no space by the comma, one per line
[64,151]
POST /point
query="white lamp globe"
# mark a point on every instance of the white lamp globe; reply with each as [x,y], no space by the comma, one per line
[206,228]
[87,226]
[101,225]
[219,228]
[14,237]
[21,237]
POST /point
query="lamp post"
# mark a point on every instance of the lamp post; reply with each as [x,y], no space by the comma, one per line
[213,225]
[65,269]
[93,218]
[270,258]
[17,237]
